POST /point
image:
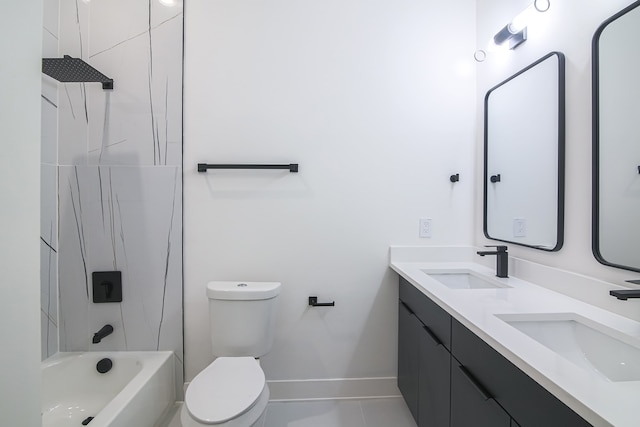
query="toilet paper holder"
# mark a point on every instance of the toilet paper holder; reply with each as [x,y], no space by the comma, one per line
[313,302]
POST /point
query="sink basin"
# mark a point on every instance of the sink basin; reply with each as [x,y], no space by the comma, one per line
[464,280]
[590,345]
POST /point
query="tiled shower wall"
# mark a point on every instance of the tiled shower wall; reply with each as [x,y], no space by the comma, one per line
[49,189]
[119,170]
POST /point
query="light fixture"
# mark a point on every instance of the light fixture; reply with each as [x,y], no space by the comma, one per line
[515,32]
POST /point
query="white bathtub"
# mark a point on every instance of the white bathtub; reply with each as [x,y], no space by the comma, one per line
[137,391]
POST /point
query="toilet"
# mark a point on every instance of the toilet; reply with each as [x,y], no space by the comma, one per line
[232,390]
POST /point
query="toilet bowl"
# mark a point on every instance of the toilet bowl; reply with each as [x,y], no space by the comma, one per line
[230,392]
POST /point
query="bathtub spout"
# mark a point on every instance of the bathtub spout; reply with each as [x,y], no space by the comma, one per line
[106,330]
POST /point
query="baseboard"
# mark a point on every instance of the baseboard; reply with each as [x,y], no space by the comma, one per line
[332,389]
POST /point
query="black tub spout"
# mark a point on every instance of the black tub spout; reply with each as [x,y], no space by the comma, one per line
[106,330]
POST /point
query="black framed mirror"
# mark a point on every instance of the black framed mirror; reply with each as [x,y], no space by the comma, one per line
[524,156]
[616,140]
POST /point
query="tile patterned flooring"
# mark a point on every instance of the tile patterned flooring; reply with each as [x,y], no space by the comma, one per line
[392,412]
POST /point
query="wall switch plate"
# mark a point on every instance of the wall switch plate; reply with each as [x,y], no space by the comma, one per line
[107,286]
[425,227]
[519,227]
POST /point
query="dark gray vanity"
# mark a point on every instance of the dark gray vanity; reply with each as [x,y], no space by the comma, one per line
[450,377]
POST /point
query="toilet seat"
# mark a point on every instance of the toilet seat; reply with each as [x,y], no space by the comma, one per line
[225,389]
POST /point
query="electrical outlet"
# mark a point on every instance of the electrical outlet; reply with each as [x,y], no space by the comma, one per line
[425,227]
[519,227]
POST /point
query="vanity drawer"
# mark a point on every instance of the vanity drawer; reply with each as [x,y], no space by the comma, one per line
[530,404]
[430,314]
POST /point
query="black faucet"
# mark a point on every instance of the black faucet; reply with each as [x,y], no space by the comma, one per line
[627,293]
[502,259]
[106,330]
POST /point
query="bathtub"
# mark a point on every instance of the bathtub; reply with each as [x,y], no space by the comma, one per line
[136,391]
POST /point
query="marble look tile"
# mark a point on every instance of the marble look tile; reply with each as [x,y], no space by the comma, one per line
[49,44]
[111,26]
[49,205]
[49,118]
[50,16]
[73,32]
[49,337]
[140,121]
[127,219]
[48,300]
[314,414]
[73,122]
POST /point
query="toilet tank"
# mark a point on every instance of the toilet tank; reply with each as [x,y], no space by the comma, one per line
[242,317]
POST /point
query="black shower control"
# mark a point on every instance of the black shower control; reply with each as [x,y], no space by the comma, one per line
[107,286]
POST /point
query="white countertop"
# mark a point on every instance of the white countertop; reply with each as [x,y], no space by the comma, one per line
[598,400]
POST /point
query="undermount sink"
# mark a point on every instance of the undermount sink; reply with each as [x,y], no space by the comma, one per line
[464,280]
[587,344]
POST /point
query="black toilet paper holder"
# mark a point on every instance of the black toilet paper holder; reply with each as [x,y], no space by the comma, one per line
[313,302]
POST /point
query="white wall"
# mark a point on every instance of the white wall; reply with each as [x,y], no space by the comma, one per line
[375,101]
[20,44]
[567,27]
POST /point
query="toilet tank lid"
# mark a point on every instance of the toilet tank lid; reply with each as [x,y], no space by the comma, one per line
[236,290]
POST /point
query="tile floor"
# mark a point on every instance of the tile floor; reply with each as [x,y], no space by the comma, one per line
[391,412]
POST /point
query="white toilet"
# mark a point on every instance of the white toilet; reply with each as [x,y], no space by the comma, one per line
[232,391]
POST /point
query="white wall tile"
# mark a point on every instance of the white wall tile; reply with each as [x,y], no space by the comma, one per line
[120,206]
[127,219]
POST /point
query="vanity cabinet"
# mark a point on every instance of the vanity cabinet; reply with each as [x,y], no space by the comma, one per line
[408,357]
[450,377]
[471,404]
[530,404]
[424,360]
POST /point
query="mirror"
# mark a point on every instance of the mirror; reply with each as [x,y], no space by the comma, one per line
[616,141]
[524,156]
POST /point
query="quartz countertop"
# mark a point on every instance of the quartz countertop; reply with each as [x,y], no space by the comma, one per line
[598,400]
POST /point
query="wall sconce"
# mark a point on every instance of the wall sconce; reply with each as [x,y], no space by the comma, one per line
[515,32]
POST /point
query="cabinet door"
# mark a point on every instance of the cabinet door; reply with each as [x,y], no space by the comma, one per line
[408,357]
[429,313]
[435,382]
[530,404]
[471,403]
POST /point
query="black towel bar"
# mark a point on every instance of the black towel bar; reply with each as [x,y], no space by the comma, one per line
[203,167]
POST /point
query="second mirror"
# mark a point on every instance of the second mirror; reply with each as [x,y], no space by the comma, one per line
[524,156]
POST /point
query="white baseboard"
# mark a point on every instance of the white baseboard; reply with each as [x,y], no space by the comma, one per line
[331,389]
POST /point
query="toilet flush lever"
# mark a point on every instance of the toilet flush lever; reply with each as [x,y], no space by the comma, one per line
[313,302]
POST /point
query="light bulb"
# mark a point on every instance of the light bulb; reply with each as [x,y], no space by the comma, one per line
[521,20]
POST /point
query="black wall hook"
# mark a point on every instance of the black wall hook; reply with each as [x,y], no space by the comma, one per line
[313,302]
[495,178]
[454,178]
